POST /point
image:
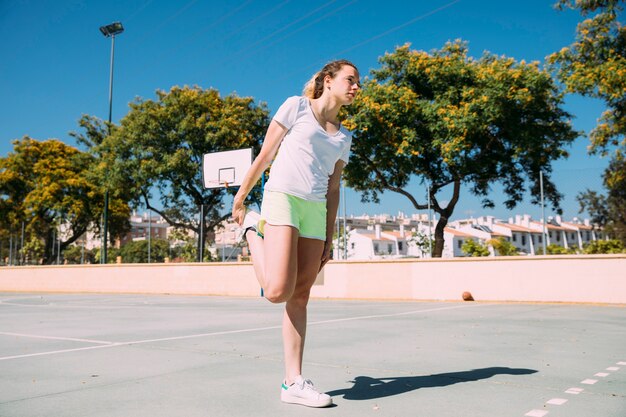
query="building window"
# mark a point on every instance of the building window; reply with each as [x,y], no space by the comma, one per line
[588,236]
[514,237]
[540,238]
[375,247]
[550,234]
[400,246]
[389,248]
[558,237]
[352,245]
[573,236]
[523,240]
[460,243]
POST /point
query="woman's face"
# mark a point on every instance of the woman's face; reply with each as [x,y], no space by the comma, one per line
[345,84]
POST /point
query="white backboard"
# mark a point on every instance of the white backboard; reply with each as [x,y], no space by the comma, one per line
[220,169]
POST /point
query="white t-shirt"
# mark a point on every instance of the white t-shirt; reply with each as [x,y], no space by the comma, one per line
[308,154]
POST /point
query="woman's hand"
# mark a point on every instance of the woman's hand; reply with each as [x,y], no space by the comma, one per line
[326,254]
[239,211]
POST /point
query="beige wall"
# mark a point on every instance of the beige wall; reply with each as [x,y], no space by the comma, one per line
[572,278]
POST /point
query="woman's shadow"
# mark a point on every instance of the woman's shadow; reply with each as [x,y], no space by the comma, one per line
[367,388]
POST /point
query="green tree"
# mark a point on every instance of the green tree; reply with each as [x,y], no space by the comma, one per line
[420,240]
[76,254]
[44,185]
[137,251]
[554,249]
[595,66]
[448,119]
[183,247]
[503,247]
[474,248]
[604,246]
[157,151]
[608,212]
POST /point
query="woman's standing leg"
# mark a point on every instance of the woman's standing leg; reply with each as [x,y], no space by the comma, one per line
[295,317]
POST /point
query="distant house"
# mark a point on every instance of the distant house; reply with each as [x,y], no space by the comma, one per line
[144,226]
[454,240]
[371,244]
[388,237]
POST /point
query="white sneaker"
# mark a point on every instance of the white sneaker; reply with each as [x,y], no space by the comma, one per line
[250,221]
[302,392]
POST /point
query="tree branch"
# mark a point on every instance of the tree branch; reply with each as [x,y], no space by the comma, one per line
[168,219]
[398,190]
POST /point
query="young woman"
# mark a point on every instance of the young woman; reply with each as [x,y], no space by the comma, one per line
[291,240]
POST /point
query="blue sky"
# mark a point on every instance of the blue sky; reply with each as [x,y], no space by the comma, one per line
[55,62]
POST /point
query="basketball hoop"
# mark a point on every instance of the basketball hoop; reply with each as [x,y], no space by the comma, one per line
[227,168]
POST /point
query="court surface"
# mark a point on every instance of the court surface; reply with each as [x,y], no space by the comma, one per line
[135,355]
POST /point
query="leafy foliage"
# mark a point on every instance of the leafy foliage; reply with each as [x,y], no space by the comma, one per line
[503,247]
[420,240]
[474,249]
[449,119]
[45,186]
[605,247]
[609,211]
[595,66]
[157,150]
[137,251]
[75,254]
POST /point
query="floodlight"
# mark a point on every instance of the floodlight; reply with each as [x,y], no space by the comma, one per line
[113,29]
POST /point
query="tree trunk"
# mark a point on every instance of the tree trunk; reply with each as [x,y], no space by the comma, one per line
[439,237]
[444,216]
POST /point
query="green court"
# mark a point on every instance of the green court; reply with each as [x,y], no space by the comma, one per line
[134,355]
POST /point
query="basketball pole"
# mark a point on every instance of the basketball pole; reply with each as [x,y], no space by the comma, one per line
[201,237]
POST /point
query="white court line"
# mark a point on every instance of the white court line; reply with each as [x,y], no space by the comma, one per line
[612,368]
[621,363]
[30,355]
[71,339]
[602,374]
[379,316]
[557,401]
[536,413]
[589,381]
[574,391]
[257,329]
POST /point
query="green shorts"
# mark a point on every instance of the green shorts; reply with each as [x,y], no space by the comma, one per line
[280,209]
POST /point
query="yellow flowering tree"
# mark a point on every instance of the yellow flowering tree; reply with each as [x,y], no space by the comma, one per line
[595,66]
[448,119]
[45,185]
[609,211]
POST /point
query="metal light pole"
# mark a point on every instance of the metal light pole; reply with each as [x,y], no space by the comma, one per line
[109,31]
[430,224]
[543,214]
[345,236]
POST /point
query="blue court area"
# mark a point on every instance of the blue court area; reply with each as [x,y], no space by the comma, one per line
[134,355]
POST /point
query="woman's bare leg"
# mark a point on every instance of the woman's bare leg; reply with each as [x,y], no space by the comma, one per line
[275,261]
[257,251]
[295,316]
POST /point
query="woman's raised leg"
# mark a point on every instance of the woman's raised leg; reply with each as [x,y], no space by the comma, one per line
[275,261]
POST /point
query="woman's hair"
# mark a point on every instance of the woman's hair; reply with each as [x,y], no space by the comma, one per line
[315,86]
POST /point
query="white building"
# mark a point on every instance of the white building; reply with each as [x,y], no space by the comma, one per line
[454,240]
[383,236]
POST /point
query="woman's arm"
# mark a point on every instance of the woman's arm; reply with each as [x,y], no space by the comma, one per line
[274,136]
[332,205]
